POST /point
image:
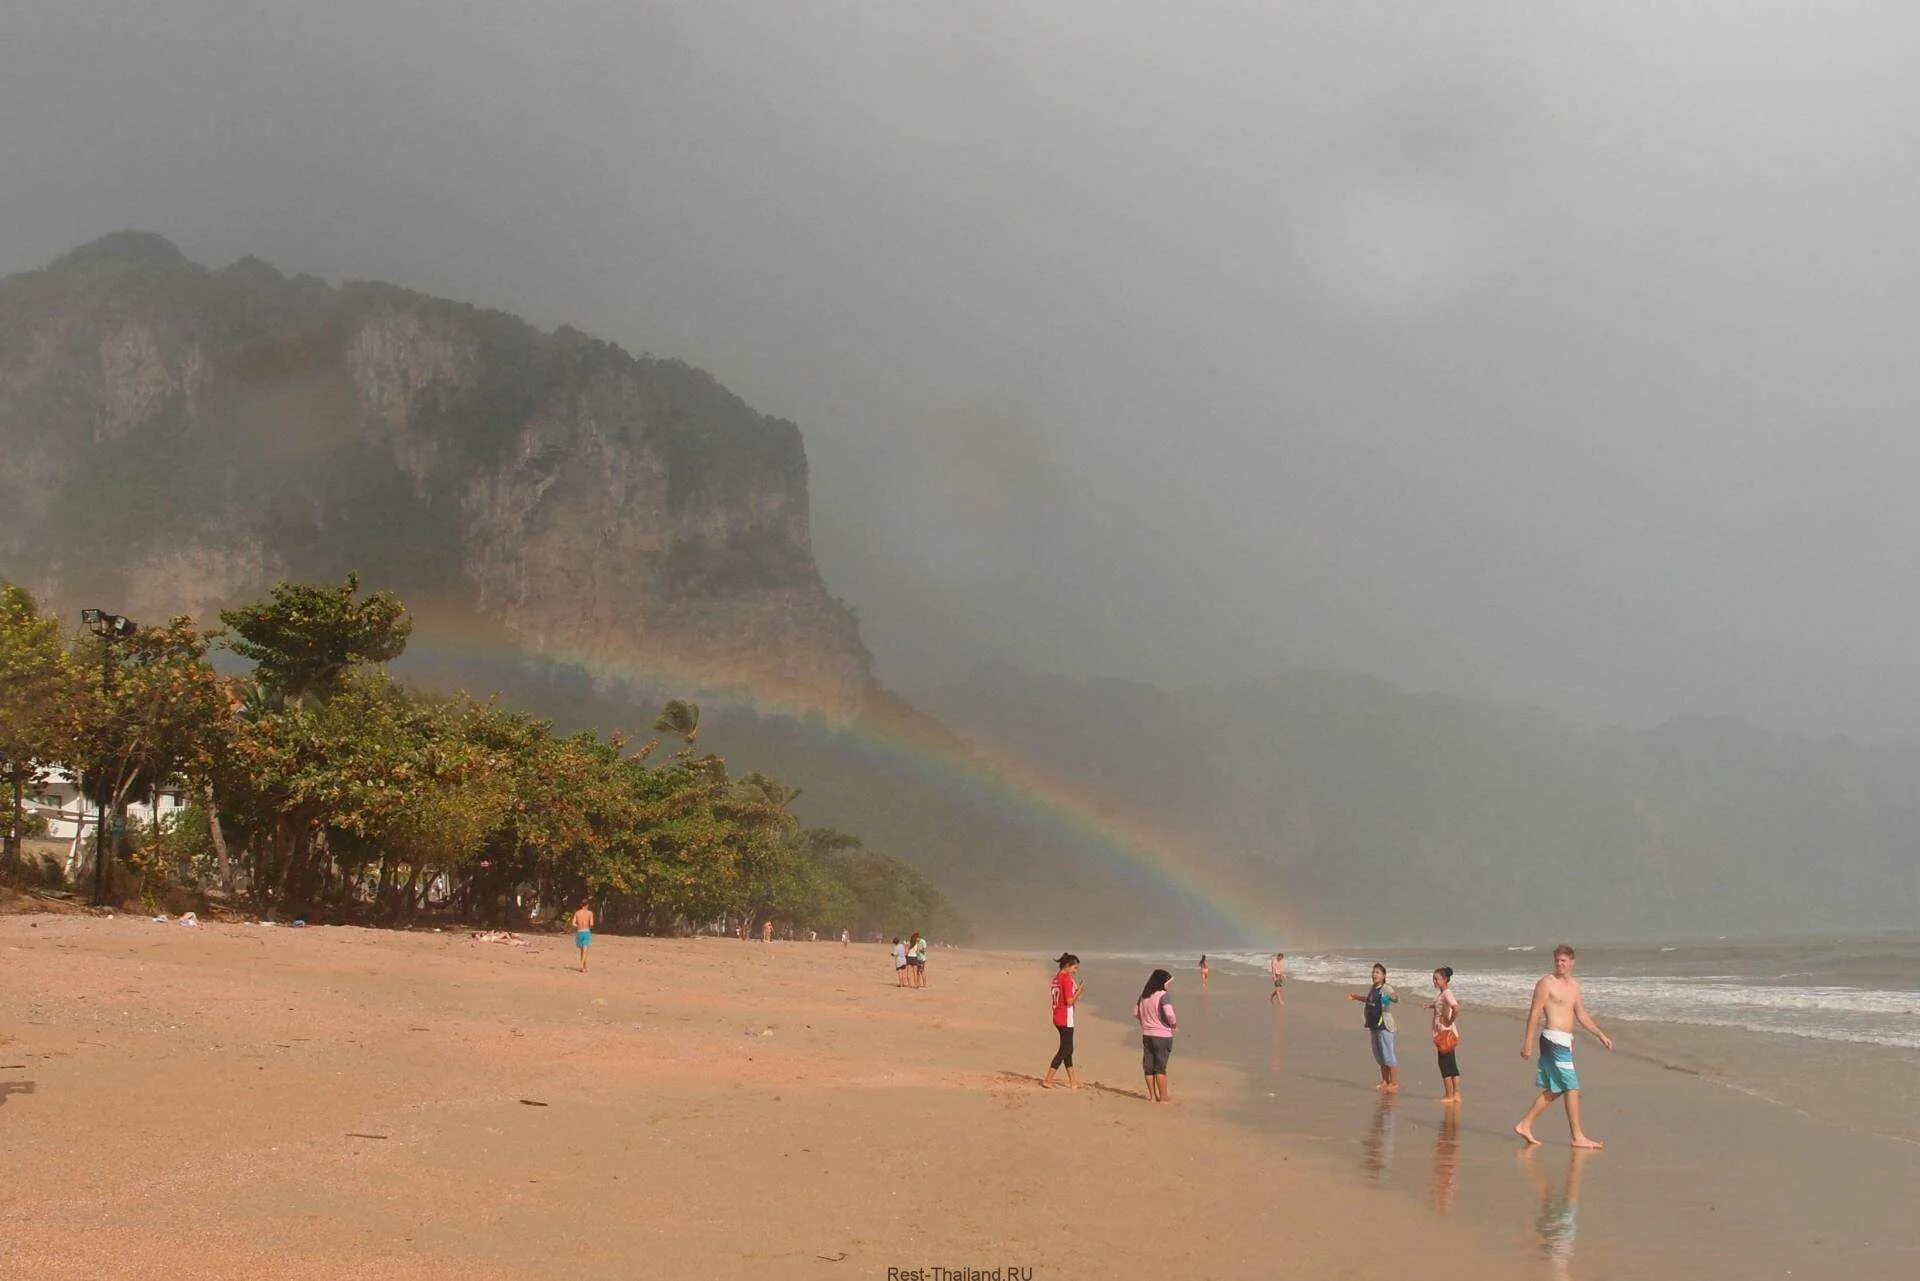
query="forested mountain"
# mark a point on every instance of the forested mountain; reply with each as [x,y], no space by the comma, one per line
[178,438]
[586,532]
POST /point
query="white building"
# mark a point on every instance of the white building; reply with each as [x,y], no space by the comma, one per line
[71,816]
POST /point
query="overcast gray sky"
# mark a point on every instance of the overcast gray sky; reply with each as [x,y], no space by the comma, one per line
[1549,351]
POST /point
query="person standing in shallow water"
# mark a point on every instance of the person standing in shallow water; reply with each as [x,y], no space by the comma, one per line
[1379,1023]
[1154,1012]
[1446,1032]
[1557,1002]
[1206,975]
[583,931]
[1278,968]
[1064,994]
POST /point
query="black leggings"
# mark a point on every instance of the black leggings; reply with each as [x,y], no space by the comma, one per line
[1449,1065]
[1063,1057]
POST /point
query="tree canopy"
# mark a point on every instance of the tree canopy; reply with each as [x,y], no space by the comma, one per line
[346,793]
[304,640]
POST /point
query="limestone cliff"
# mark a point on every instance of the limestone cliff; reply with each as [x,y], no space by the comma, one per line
[175,438]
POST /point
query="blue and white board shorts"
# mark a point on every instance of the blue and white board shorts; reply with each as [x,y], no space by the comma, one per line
[1555,1073]
[582,937]
[1383,1046]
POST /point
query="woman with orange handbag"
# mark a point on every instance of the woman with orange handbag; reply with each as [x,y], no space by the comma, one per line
[1446,1032]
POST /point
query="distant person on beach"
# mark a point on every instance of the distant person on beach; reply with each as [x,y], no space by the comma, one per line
[1278,968]
[1206,975]
[917,959]
[766,931]
[1557,1000]
[846,938]
[1154,1012]
[1379,1023]
[583,931]
[1064,994]
[1446,1032]
[899,962]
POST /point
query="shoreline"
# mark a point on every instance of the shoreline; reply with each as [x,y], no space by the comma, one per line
[1699,1177]
[343,1102]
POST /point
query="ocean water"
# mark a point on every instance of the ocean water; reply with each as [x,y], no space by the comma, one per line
[1761,1109]
[1860,990]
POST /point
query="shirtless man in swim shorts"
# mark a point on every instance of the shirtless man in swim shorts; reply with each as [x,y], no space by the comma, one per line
[1556,998]
[583,931]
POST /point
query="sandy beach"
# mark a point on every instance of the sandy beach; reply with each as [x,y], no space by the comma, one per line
[241,1101]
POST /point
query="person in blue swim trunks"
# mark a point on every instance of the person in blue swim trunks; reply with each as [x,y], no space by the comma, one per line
[1557,1006]
[583,931]
[1378,1019]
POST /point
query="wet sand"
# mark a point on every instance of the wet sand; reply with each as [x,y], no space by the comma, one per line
[325,1103]
[1698,1179]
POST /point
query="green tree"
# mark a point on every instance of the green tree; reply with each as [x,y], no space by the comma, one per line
[37,702]
[681,719]
[159,714]
[304,640]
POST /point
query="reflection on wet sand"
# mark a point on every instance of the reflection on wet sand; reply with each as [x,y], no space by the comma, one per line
[1276,1041]
[1446,1162]
[1376,1143]
[1557,1221]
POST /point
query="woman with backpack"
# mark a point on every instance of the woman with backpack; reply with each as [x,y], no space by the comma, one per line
[1154,1012]
[1379,1024]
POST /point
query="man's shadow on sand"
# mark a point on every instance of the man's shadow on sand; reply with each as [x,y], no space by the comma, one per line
[10,1088]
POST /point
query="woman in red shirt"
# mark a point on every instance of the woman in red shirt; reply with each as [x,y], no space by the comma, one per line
[1065,994]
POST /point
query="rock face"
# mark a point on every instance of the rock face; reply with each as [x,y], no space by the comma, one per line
[176,438]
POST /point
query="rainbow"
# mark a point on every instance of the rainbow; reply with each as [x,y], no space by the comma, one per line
[1114,831]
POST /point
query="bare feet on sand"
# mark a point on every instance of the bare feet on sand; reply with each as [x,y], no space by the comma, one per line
[1584,1142]
[1527,1134]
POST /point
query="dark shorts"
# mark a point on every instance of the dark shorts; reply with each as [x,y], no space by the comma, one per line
[1154,1053]
[1450,1063]
[918,963]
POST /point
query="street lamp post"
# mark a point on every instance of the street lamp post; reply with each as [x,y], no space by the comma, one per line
[109,628]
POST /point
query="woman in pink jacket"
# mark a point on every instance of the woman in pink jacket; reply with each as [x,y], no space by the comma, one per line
[1154,1013]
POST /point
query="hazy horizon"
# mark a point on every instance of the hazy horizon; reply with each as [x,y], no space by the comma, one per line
[1523,352]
